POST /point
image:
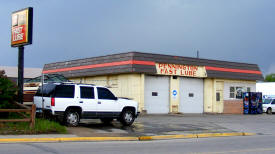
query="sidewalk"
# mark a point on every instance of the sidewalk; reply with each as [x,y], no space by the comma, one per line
[153,127]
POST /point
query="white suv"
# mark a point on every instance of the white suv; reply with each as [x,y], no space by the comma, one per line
[269,105]
[70,102]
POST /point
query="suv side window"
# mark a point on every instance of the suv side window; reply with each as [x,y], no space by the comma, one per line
[273,102]
[64,91]
[104,93]
[87,92]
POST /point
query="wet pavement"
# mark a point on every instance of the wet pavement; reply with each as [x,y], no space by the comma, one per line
[152,125]
[148,127]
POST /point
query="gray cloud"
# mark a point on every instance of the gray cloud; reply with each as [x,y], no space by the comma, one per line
[235,30]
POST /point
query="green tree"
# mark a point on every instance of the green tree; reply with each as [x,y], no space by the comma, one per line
[7,91]
[270,78]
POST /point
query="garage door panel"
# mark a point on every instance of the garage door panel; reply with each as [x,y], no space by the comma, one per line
[191,95]
[156,94]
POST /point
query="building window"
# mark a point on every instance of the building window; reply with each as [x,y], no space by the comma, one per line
[154,93]
[237,92]
[218,96]
[232,92]
[175,77]
[191,94]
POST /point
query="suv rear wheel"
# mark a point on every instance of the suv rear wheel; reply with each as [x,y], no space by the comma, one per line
[71,118]
[127,117]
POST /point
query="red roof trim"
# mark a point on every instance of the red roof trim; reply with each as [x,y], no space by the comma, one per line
[129,62]
[138,62]
[231,70]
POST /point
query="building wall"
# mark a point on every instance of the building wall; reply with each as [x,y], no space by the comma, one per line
[213,86]
[267,88]
[132,86]
[208,92]
[122,85]
[235,83]
[174,99]
[233,107]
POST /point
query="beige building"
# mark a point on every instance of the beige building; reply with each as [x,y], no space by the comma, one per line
[166,84]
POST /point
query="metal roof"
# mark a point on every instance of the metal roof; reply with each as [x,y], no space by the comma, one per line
[138,62]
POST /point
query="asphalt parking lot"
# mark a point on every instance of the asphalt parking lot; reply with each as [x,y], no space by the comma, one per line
[150,125]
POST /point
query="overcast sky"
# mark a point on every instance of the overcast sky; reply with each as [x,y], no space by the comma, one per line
[231,30]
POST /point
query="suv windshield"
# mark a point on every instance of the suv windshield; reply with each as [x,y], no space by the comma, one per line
[46,90]
[267,101]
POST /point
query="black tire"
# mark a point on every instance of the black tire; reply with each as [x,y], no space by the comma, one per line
[106,120]
[269,111]
[71,118]
[127,117]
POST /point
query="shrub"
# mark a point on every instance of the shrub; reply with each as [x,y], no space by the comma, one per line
[270,78]
[7,91]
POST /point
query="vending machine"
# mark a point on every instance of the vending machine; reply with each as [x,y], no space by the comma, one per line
[252,103]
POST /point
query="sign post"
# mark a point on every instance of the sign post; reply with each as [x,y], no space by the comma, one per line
[21,35]
[20,81]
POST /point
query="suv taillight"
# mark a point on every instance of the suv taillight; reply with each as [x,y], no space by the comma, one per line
[52,101]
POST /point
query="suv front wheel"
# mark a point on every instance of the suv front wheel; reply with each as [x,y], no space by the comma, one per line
[269,111]
[71,118]
[127,117]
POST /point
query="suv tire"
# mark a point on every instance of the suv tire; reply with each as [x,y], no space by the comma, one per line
[269,111]
[71,118]
[127,117]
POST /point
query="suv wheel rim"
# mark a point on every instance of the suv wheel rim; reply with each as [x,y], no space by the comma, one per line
[72,118]
[128,117]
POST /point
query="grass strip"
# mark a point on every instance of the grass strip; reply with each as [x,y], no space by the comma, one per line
[42,126]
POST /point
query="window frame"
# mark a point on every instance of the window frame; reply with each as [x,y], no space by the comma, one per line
[232,92]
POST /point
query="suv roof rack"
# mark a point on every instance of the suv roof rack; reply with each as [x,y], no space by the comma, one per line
[78,83]
[70,82]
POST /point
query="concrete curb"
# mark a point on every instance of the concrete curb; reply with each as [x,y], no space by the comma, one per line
[203,135]
[67,139]
[140,138]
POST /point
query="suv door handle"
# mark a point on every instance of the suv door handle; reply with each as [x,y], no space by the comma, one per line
[80,101]
[98,102]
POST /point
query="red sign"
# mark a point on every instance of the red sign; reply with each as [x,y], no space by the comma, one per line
[19,34]
[21,30]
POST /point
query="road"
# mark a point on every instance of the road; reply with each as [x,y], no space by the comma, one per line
[180,124]
[248,144]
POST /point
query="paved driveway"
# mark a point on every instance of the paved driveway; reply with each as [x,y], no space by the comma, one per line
[179,124]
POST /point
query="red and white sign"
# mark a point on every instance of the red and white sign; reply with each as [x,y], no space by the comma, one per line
[181,70]
[19,34]
[21,29]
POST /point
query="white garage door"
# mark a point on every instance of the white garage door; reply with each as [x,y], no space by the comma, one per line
[191,95]
[156,94]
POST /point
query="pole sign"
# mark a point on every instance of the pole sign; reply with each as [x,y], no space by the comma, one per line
[21,28]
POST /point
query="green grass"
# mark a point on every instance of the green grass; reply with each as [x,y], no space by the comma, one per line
[42,126]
